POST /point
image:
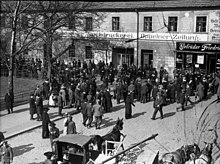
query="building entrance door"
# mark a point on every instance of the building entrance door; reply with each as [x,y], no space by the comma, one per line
[146,57]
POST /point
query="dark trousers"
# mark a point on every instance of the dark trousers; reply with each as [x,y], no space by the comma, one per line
[182,105]
[156,110]
[39,116]
[85,118]
[60,110]
[90,119]
[98,121]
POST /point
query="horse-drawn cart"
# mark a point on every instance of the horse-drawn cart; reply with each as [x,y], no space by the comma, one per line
[74,148]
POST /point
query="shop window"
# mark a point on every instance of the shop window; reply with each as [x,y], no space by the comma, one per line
[115,23]
[88,52]
[88,24]
[72,50]
[201,24]
[147,23]
[71,22]
[172,24]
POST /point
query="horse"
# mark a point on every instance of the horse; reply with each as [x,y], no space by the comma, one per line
[113,135]
[206,155]
[181,155]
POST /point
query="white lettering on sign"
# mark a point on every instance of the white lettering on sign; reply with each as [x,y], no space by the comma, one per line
[142,35]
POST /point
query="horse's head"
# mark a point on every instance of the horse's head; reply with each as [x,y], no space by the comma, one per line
[191,151]
[119,124]
[207,149]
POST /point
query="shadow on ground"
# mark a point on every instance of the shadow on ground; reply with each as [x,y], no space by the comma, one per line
[20,150]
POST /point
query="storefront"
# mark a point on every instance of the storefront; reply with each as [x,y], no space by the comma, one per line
[202,56]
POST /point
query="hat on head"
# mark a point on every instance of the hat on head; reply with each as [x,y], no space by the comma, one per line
[52,124]
[46,109]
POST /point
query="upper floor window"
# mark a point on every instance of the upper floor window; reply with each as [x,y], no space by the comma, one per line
[172,24]
[115,24]
[71,22]
[201,24]
[88,24]
[147,23]
[3,19]
[72,49]
[88,52]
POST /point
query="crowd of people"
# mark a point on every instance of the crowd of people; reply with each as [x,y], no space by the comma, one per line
[75,85]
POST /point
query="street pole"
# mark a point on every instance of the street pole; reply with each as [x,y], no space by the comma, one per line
[137,36]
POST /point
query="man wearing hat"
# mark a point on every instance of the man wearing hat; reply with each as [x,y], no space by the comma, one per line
[158,105]
[54,132]
[128,107]
[71,126]
[6,153]
[45,123]
[182,100]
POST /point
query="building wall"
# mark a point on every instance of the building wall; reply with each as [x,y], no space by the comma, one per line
[164,45]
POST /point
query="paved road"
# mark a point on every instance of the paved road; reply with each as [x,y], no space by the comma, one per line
[175,130]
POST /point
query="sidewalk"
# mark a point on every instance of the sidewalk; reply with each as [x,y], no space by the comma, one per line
[19,121]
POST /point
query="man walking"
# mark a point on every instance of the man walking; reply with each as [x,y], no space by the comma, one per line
[98,113]
[71,126]
[158,104]
[6,153]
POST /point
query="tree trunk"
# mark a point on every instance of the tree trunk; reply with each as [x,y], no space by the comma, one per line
[13,49]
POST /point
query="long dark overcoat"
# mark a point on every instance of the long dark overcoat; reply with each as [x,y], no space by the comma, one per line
[45,125]
[128,107]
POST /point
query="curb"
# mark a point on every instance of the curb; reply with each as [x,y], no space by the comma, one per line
[37,126]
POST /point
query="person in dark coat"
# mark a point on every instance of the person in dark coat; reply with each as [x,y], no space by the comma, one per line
[45,123]
[39,107]
[128,107]
[9,101]
[46,89]
[158,105]
[6,153]
[60,104]
[154,91]
[206,87]
[144,90]
[84,112]
[118,92]
[32,108]
[200,91]
[182,100]
[108,100]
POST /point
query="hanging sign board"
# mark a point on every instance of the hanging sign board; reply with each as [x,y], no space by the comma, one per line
[200,59]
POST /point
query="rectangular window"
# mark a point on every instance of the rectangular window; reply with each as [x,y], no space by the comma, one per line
[3,19]
[88,24]
[172,24]
[115,24]
[88,52]
[72,50]
[147,23]
[71,22]
[201,24]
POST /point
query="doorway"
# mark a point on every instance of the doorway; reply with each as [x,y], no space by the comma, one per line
[146,58]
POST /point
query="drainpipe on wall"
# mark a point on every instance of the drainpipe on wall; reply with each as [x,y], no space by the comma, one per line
[137,36]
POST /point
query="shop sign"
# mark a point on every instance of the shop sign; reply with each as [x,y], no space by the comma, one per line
[200,59]
[214,26]
[142,35]
[203,47]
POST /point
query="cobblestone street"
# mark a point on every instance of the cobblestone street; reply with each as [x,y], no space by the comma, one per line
[175,130]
